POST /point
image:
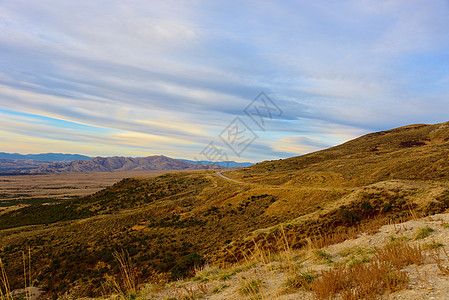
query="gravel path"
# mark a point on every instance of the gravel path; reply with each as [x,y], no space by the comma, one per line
[220,174]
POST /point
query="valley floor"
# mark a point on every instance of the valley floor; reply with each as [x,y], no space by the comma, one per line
[63,185]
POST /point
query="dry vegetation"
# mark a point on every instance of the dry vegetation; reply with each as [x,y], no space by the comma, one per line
[371,266]
[415,152]
[171,225]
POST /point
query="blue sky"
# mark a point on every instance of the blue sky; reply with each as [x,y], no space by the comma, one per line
[138,78]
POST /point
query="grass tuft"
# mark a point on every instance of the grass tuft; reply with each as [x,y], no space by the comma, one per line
[323,255]
[302,280]
[400,254]
[219,289]
[423,232]
[5,289]
[436,257]
[356,261]
[251,287]
[366,279]
[126,287]
[435,245]
[363,281]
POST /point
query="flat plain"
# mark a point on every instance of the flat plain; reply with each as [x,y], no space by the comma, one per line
[64,185]
[18,190]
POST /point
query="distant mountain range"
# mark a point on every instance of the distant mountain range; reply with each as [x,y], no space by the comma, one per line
[48,157]
[18,166]
[225,164]
[15,163]
[99,164]
[57,157]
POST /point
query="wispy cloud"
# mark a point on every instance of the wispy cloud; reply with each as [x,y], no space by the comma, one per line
[173,74]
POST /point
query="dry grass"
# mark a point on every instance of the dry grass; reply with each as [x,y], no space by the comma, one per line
[373,275]
[435,254]
[366,280]
[337,166]
[222,217]
[27,272]
[434,245]
[359,282]
[251,287]
[400,254]
[194,292]
[126,287]
[5,289]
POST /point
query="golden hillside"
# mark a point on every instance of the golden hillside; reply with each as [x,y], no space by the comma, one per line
[170,223]
[416,152]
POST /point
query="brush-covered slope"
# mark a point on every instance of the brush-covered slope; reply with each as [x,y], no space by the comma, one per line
[162,222]
[417,152]
[174,222]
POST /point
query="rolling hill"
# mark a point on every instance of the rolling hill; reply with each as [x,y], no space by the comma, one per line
[171,223]
[18,166]
[414,152]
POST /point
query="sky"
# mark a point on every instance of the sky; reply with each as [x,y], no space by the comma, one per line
[184,78]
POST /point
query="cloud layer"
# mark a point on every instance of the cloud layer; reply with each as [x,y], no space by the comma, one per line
[139,78]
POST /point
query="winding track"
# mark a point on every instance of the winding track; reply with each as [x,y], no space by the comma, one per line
[219,173]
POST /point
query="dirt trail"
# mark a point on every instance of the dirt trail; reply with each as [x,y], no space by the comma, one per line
[220,174]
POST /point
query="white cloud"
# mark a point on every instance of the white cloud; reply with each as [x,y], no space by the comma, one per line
[180,71]
[300,144]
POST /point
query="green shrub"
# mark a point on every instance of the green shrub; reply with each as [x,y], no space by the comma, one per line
[349,216]
[322,254]
[423,232]
[435,245]
[302,280]
[187,265]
